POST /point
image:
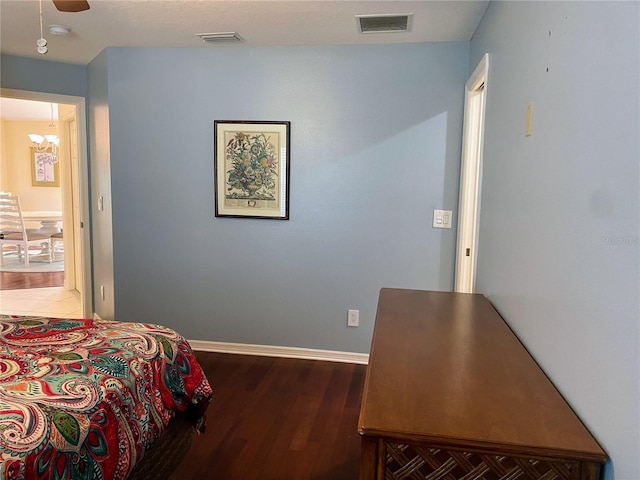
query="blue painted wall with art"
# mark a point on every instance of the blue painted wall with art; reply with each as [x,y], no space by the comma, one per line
[375,147]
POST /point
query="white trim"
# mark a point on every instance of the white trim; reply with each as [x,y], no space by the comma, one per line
[277,351]
[83,170]
[470,177]
[479,75]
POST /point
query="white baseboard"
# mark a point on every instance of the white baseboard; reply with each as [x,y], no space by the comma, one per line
[276,351]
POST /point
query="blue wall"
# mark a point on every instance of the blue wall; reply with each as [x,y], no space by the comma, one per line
[35,75]
[559,225]
[375,147]
[99,156]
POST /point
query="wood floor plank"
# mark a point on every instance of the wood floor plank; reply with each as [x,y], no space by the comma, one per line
[17,280]
[277,419]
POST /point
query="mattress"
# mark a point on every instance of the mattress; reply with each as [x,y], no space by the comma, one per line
[85,399]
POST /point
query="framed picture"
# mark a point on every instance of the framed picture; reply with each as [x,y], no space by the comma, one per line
[251,169]
[45,171]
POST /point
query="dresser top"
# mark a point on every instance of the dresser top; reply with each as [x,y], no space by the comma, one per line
[446,367]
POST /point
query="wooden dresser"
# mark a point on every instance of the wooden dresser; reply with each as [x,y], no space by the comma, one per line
[451,393]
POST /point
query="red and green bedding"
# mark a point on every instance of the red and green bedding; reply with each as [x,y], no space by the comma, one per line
[84,399]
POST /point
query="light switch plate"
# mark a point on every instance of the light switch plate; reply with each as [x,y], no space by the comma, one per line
[442,218]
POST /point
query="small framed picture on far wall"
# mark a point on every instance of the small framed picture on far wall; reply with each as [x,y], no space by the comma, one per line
[45,169]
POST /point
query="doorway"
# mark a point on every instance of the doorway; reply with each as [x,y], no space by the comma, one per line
[471,177]
[74,192]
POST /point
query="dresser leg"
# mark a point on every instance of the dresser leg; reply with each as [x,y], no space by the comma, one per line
[368,458]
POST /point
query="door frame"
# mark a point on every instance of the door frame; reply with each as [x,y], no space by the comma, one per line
[66,181]
[471,177]
[83,173]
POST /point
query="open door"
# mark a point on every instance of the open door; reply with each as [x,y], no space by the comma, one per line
[470,178]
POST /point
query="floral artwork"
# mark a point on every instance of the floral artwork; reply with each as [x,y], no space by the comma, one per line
[45,170]
[253,159]
[252,169]
[44,167]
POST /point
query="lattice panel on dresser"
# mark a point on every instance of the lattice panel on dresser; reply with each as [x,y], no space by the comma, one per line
[424,463]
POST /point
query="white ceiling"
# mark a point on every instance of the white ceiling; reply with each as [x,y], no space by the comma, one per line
[175,23]
[24,110]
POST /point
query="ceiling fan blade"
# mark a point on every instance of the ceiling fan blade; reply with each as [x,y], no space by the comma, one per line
[71,5]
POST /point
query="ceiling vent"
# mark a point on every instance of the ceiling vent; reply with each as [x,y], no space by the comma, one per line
[392,22]
[222,37]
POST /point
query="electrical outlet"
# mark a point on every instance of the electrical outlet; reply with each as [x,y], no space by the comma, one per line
[353,319]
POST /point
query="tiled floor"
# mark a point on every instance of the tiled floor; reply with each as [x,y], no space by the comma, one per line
[51,301]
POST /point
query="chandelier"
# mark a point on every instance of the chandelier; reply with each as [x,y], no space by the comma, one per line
[46,143]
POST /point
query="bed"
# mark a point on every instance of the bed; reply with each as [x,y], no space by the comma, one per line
[86,399]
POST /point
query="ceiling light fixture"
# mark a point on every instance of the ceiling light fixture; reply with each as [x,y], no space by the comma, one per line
[60,30]
[46,143]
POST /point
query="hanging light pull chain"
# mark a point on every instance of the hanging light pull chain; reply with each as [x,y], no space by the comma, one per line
[41,43]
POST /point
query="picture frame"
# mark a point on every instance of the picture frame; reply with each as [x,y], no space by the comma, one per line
[251,169]
[45,172]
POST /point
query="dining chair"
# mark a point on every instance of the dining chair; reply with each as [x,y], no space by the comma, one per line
[57,244]
[13,231]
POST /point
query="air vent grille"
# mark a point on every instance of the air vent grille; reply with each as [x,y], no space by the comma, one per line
[384,23]
[222,37]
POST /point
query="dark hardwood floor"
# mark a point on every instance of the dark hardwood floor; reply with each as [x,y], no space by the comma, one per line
[16,280]
[277,419]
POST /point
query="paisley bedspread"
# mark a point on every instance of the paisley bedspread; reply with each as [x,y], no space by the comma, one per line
[84,399]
